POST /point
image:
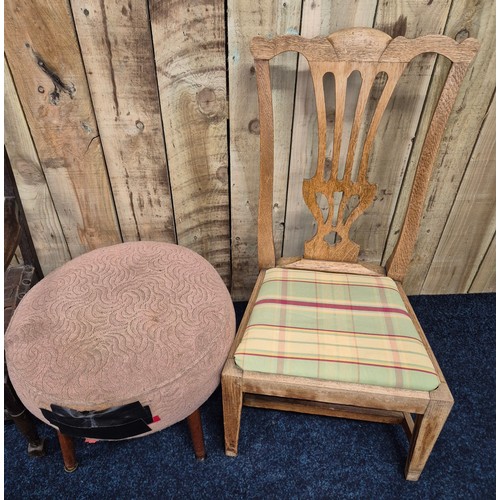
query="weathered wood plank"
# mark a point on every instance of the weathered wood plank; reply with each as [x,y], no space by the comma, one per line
[72,176]
[41,215]
[44,57]
[189,46]
[318,18]
[485,279]
[471,222]
[467,18]
[393,144]
[115,41]
[246,20]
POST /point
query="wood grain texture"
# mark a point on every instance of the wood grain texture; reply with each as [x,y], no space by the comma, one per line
[189,46]
[326,409]
[399,261]
[364,268]
[369,52]
[26,252]
[426,431]
[265,242]
[246,20]
[318,18]
[485,279]
[372,46]
[452,271]
[393,145]
[45,60]
[116,46]
[326,391]
[339,219]
[467,18]
[114,40]
[232,394]
[41,215]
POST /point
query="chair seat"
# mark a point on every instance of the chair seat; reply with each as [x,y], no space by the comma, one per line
[338,327]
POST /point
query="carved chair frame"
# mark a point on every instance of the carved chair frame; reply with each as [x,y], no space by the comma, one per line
[370,52]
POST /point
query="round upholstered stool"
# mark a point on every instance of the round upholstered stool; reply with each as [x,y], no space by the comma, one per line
[121,342]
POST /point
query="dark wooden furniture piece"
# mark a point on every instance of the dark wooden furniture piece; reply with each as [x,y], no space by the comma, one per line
[16,230]
[260,370]
[17,282]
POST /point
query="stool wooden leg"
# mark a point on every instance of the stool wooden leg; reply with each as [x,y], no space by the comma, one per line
[196,430]
[68,452]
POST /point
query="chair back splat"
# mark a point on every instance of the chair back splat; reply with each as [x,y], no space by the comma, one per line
[324,334]
[379,59]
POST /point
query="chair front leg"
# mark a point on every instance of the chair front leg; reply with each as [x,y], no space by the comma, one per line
[232,403]
[427,428]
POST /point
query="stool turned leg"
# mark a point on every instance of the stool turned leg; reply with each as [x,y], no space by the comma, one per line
[68,452]
[196,430]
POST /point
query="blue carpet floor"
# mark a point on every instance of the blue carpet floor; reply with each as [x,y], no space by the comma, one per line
[287,455]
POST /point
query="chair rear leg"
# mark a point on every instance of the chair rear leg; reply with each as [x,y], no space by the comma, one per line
[426,431]
[232,403]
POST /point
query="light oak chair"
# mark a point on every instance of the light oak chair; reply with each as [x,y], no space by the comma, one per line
[324,334]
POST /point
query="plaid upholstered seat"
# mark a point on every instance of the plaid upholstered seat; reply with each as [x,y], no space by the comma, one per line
[340,327]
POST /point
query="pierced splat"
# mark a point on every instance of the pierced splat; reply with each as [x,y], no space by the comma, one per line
[371,52]
[345,175]
[378,61]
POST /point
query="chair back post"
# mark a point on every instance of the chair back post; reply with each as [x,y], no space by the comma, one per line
[265,239]
[399,261]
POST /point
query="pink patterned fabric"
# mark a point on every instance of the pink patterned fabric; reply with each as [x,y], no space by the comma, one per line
[144,321]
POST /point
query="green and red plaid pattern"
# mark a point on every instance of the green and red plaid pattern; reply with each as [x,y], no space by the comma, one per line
[341,327]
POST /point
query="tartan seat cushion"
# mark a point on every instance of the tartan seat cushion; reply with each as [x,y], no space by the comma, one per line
[339,327]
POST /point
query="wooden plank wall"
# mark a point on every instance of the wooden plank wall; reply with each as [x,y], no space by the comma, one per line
[139,120]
